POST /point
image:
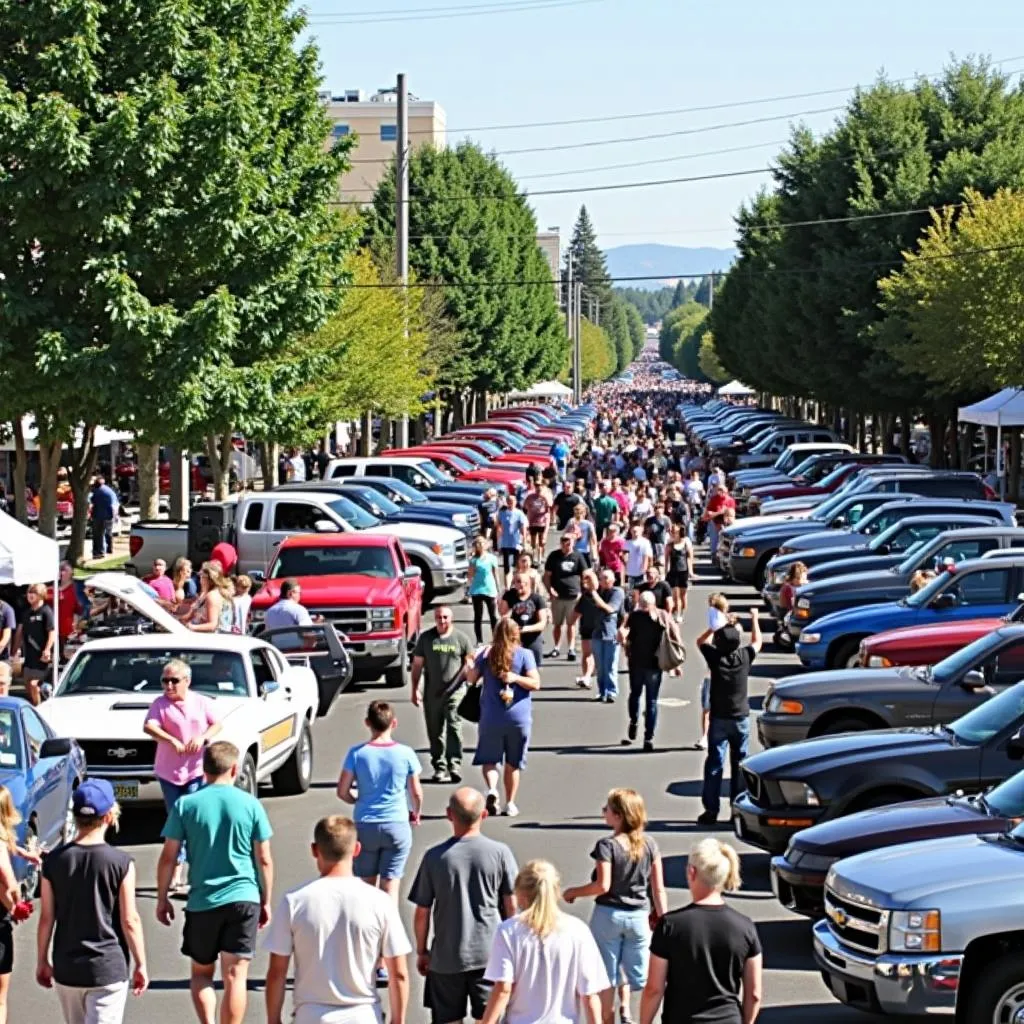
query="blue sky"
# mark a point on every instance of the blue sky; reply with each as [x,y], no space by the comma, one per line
[608,57]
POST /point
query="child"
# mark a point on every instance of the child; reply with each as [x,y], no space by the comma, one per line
[718,616]
[241,603]
[920,579]
[10,819]
[796,577]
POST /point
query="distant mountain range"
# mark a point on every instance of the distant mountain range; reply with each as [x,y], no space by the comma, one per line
[665,264]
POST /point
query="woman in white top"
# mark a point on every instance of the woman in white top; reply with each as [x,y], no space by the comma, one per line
[545,965]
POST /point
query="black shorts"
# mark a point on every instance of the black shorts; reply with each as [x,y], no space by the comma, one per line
[446,995]
[228,929]
[7,947]
[679,580]
[538,532]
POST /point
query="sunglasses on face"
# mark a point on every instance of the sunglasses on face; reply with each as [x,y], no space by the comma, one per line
[170,680]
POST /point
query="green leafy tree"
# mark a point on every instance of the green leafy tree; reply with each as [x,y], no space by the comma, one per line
[652,304]
[617,325]
[473,233]
[637,330]
[707,359]
[597,354]
[675,328]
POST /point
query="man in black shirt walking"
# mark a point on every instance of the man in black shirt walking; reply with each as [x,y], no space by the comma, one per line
[728,664]
[643,630]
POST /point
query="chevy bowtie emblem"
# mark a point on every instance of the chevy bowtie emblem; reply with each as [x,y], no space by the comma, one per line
[840,917]
[121,751]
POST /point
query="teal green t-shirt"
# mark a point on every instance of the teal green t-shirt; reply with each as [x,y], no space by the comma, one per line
[220,826]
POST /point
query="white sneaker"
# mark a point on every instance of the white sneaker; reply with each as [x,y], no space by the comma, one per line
[511,811]
[702,744]
[583,682]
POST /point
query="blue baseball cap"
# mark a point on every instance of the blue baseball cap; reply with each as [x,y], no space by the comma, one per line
[94,797]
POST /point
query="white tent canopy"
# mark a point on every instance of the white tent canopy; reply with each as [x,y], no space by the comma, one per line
[543,389]
[25,555]
[734,389]
[1003,409]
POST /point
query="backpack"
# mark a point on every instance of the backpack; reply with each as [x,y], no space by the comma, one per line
[671,649]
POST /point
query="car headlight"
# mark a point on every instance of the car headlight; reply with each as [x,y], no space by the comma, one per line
[810,638]
[779,576]
[777,705]
[798,794]
[878,661]
[443,549]
[785,550]
[382,618]
[747,552]
[915,931]
[461,519]
[802,609]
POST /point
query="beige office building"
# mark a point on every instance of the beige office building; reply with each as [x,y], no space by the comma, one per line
[374,120]
[550,243]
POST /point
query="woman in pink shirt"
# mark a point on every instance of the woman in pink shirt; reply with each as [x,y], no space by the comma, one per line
[182,722]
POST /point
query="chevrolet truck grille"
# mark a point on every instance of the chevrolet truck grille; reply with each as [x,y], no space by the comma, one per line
[856,925]
[114,754]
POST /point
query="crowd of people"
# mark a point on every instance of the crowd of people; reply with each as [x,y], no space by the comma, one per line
[601,550]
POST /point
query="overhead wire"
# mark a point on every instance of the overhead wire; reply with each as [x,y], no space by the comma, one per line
[506,8]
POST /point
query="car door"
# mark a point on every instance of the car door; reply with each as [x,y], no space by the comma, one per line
[1003,667]
[956,550]
[996,764]
[46,780]
[278,723]
[979,594]
[252,541]
[413,586]
[288,517]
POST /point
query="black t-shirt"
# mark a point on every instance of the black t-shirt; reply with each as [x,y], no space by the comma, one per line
[706,948]
[729,673]
[566,572]
[36,627]
[656,529]
[526,612]
[590,614]
[661,590]
[564,504]
[89,947]
[645,634]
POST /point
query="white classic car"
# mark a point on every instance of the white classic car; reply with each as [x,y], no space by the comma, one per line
[267,704]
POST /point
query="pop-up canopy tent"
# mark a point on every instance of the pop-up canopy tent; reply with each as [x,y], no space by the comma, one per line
[1003,409]
[734,389]
[543,389]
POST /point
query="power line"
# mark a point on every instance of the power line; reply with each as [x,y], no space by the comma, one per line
[671,112]
[505,8]
[550,282]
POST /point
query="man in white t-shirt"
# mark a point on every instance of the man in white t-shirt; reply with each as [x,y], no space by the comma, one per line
[337,928]
[296,467]
[639,555]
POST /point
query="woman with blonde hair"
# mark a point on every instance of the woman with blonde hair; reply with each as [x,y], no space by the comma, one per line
[706,957]
[213,611]
[544,964]
[10,892]
[627,868]
[507,673]
[181,577]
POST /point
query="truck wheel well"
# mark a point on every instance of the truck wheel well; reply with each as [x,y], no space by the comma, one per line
[978,954]
[842,648]
[254,750]
[869,719]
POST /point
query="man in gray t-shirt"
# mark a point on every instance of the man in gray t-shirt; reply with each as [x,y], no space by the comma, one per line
[465,885]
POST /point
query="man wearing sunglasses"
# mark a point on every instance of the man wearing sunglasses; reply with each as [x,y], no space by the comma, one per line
[182,722]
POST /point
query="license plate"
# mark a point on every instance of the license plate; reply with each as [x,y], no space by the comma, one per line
[737,825]
[126,790]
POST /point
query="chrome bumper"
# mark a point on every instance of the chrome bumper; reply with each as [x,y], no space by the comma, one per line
[900,983]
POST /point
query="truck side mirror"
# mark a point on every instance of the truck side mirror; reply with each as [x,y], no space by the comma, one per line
[1015,747]
[412,572]
[838,523]
[973,680]
[947,599]
[325,526]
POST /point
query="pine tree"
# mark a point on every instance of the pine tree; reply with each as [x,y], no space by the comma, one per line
[588,264]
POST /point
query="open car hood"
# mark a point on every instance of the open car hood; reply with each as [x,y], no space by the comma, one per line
[129,589]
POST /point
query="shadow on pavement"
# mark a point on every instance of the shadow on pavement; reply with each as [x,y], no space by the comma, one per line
[787,945]
[833,1012]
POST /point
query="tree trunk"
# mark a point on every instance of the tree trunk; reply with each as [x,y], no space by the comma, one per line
[219,450]
[937,430]
[269,454]
[20,471]
[83,465]
[965,445]
[366,441]
[906,427]
[147,468]
[49,460]
[861,441]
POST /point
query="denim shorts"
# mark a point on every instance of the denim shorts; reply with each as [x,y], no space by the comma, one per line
[705,694]
[383,848]
[623,938]
[502,742]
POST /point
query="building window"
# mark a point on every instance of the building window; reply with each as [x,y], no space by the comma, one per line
[339,131]
[389,133]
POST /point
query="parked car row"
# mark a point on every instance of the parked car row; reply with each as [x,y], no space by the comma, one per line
[890,791]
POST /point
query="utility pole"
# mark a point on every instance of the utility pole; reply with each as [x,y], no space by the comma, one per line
[577,346]
[597,321]
[570,290]
[711,292]
[402,218]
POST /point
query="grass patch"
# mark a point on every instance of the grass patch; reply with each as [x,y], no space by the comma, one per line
[111,564]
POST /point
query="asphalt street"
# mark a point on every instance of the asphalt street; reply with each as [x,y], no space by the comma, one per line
[575,758]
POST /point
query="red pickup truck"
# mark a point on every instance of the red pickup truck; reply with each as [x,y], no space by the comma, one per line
[364,585]
[926,645]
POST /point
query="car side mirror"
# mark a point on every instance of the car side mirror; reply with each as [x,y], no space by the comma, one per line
[325,526]
[268,687]
[973,680]
[884,549]
[947,599]
[413,572]
[58,747]
[838,523]
[1015,747]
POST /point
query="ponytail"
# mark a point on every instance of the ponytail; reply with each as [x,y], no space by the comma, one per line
[717,865]
[538,882]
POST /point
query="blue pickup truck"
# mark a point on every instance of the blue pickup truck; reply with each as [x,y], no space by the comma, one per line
[978,588]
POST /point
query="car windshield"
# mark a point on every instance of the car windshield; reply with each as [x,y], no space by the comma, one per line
[807,466]
[834,474]
[356,517]
[827,509]
[127,671]
[967,657]
[431,472]
[305,560]
[1007,799]
[405,491]
[912,556]
[991,718]
[375,502]
[928,591]
[10,744]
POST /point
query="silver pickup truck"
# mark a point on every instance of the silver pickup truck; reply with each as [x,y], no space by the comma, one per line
[262,520]
[935,927]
